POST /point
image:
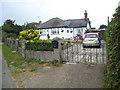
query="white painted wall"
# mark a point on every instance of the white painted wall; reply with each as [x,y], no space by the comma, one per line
[65,34]
[60,35]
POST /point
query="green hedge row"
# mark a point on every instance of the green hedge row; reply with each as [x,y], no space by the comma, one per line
[39,46]
[112,34]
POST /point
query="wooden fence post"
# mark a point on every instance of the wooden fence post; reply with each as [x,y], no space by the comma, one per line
[23,48]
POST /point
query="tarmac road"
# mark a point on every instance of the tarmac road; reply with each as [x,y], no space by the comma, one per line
[5,78]
[7,81]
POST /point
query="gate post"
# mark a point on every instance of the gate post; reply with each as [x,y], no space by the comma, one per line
[60,51]
[57,51]
[17,44]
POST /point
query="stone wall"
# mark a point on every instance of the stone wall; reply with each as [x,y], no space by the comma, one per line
[12,43]
[42,55]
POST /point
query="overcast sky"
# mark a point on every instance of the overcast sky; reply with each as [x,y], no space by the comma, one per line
[35,10]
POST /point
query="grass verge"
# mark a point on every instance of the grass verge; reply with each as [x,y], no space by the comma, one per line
[21,68]
[16,60]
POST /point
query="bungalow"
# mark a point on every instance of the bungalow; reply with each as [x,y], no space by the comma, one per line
[64,29]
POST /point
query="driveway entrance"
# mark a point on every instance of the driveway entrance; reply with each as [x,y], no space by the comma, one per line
[74,52]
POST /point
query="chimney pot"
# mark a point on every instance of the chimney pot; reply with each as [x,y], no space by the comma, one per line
[40,22]
[85,14]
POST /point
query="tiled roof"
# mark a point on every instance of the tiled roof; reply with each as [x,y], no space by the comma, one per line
[76,23]
[58,23]
[53,23]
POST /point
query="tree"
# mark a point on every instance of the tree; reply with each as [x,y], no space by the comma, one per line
[10,27]
[102,26]
[17,29]
[28,26]
[9,22]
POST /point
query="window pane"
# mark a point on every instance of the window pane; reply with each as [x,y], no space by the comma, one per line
[67,31]
[62,30]
[91,36]
[43,32]
[55,31]
[71,31]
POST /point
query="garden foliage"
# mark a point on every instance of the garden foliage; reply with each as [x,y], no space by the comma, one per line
[32,41]
[112,72]
[39,45]
[10,29]
[29,34]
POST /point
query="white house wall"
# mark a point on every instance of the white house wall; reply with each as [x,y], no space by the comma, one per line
[81,32]
[63,34]
[84,29]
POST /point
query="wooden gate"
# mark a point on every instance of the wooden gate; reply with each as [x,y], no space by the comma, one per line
[74,52]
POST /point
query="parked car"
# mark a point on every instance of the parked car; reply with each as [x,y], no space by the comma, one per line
[92,39]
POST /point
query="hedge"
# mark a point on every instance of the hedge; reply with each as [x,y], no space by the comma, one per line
[39,46]
[112,34]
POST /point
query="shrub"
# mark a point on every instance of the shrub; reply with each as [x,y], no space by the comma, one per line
[33,69]
[40,45]
[88,31]
[29,34]
[48,36]
[112,72]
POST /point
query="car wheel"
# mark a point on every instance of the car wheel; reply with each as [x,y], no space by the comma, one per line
[84,46]
[99,46]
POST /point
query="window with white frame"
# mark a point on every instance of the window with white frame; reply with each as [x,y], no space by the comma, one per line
[67,31]
[71,31]
[55,31]
[62,30]
[43,32]
[80,30]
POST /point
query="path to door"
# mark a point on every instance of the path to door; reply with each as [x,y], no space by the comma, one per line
[68,76]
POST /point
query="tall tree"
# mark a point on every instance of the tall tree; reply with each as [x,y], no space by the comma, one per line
[11,29]
[28,26]
[102,26]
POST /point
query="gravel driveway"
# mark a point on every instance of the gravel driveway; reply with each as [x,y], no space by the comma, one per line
[67,76]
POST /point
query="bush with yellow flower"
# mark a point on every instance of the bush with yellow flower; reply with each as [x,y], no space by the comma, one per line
[29,34]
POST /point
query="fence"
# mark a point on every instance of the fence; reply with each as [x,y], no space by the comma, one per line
[42,55]
[75,52]
[69,52]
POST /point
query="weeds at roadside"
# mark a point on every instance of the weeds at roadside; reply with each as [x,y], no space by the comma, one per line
[90,66]
[33,69]
[19,65]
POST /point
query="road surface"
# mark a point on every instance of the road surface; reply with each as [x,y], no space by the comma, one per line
[5,78]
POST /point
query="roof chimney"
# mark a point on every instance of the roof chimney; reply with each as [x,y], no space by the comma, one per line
[85,14]
[40,22]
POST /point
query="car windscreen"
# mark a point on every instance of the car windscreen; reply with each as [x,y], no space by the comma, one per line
[91,36]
